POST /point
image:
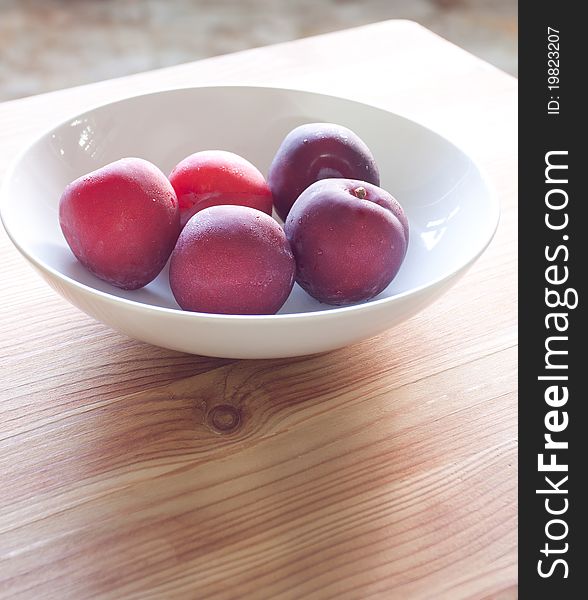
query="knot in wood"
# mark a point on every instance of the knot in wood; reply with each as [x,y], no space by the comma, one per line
[224,418]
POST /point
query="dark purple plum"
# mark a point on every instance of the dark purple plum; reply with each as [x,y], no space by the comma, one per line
[317,151]
[232,259]
[349,239]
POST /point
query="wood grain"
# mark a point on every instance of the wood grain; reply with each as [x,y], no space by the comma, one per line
[382,470]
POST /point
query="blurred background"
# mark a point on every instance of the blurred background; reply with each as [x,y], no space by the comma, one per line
[51,44]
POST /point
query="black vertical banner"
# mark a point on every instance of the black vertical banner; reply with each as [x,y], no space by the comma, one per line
[553,253]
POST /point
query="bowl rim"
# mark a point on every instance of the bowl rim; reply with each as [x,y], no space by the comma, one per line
[178,312]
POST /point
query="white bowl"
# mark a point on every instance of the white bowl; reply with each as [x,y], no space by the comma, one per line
[452,213]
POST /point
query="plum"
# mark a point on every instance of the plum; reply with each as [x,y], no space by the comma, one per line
[121,221]
[317,151]
[232,260]
[213,177]
[349,239]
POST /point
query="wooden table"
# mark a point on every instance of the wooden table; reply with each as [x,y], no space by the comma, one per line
[385,470]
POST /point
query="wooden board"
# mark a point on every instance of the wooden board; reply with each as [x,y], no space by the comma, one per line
[385,470]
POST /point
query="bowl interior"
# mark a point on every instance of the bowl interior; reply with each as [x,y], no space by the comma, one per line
[451,212]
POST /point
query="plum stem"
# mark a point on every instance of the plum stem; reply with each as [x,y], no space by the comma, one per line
[360,192]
